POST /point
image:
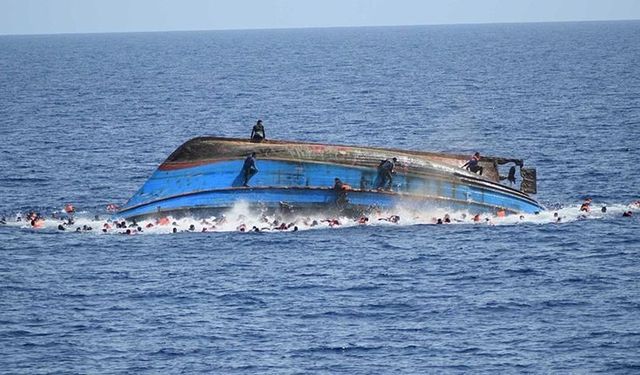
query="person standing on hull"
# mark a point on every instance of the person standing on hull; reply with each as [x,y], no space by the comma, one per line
[385,173]
[472,164]
[249,169]
[257,133]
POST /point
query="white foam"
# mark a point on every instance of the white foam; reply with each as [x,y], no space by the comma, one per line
[241,216]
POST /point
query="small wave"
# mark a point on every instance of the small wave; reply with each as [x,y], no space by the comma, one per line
[563,303]
[303,287]
[523,271]
[623,366]
[20,333]
[243,298]
[469,350]
[588,279]
[504,306]
[339,349]
[391,306]
[359,288]
[174,352]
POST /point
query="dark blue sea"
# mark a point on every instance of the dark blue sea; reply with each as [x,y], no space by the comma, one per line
[85,119]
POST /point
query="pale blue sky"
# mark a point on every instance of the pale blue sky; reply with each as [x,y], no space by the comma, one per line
[83,16]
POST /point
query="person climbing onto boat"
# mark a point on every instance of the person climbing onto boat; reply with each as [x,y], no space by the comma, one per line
[341,193]
[257,133]
[249,169]
[385,173]
[511,177]
[472,164]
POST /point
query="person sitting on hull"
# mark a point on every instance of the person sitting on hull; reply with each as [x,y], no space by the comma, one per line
[249,169]
[257,133]
[341,193]
[472,164]
[385,173]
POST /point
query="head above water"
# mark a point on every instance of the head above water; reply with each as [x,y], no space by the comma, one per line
[259,122]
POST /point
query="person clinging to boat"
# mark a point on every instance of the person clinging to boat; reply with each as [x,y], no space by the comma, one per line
[341,192]
[257,133]
[249,169]
[472,164]
[385,173]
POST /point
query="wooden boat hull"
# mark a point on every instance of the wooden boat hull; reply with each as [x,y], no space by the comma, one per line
[206,174]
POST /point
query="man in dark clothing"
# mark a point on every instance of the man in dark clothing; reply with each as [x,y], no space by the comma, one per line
[257,133]
[472,164]
[249,169]
[385,173]
[341,193]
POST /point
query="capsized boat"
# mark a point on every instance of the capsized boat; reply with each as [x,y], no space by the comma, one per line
[208,174]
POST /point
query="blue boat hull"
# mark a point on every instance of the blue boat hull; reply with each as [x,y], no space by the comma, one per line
[217,184]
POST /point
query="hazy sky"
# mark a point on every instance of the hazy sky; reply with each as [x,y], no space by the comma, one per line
[81,16]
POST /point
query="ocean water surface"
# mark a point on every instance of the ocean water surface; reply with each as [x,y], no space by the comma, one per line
[85,119]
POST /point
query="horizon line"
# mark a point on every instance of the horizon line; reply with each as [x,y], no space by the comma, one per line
[319,27]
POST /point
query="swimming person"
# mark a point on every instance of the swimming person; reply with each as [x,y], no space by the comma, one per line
[385,173]
[586,206]
[362,220]
[392,219]
[68,208]
[472,164]
[249,169]
[257,133]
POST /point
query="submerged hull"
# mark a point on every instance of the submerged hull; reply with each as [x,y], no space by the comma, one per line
[206,174]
